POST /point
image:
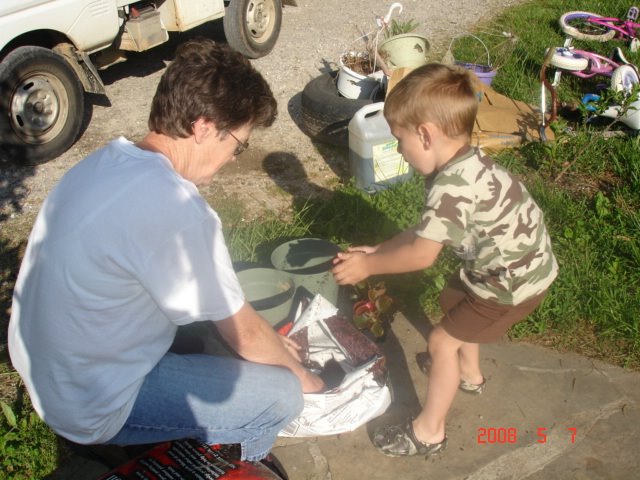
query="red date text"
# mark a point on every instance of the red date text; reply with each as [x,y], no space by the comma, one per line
[492,435]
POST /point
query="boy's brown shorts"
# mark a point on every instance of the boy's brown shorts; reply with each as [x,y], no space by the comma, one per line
[475,320]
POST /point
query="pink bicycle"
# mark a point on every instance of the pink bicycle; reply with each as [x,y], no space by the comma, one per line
[584,64]
[591,26]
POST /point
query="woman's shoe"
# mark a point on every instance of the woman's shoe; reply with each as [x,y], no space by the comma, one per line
[399,441]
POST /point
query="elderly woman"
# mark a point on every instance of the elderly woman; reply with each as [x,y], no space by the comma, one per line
[125,250]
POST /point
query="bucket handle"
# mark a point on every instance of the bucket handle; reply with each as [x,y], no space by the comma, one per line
[467,34]
[382,22]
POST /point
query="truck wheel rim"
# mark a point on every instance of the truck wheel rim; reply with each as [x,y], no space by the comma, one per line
[38,108]
[260,19]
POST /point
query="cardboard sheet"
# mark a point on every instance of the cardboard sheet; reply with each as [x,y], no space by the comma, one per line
[503,122]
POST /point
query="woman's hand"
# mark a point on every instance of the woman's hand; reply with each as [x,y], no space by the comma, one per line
[292,347]
[312,383]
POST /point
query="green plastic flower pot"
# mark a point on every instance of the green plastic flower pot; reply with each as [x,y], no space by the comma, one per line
[405,50]
[309,261]
[269,291]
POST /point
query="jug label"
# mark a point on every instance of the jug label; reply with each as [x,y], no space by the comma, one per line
[387,162]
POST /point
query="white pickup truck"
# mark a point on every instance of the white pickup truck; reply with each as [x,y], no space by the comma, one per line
[52,50]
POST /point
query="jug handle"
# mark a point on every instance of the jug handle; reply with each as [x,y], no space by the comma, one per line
[368,109]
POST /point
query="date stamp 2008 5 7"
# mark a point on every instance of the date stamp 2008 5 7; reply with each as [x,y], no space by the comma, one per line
[493,435]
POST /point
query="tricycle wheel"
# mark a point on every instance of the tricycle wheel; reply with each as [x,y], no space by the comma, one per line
[566,59]
[578,26]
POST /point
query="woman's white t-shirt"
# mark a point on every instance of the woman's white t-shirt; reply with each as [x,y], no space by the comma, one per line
[124,250]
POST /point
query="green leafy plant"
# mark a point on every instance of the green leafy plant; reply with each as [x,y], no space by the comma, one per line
[27,446]
[399,27]
[624,100]
[369,312]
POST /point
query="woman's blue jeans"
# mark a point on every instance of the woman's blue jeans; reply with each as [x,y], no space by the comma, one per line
[215,399]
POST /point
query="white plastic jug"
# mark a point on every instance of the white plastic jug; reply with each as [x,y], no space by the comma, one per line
[373,157]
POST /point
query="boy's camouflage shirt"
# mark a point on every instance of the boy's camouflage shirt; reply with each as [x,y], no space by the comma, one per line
[493,224]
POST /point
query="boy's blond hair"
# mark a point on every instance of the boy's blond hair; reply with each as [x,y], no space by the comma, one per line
[445,95]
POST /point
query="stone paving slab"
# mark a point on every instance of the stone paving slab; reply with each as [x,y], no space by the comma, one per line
[587,413]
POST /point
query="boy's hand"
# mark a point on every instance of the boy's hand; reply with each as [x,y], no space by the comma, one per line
[363,249]
[350,267]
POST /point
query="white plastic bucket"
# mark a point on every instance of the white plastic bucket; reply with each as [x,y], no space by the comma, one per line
[354,85]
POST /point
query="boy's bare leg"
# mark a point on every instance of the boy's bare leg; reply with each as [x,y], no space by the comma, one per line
[443,381]
[469,355]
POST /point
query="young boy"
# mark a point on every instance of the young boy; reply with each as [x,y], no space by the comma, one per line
[489,219]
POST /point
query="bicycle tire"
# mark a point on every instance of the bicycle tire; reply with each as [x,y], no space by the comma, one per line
[624,78]
[574,24]
[566,60]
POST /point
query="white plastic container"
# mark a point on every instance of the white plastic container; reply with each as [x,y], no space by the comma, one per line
[353,85]
[373,156]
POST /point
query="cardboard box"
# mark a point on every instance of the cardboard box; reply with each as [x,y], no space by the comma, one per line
[503,122]
[397,75]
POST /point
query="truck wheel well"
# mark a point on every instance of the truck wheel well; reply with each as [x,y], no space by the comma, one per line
[36,38]
[56,41]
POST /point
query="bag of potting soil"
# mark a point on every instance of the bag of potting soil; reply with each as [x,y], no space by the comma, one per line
[352,367]
[189,459]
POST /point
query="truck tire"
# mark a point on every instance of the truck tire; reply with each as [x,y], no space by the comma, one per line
[325,113]
[252,27]
[42,104]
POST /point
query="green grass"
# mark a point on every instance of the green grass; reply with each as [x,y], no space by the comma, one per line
[587,186]
[28,448]
[535,28]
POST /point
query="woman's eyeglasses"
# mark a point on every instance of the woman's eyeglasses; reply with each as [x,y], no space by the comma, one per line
[242,146]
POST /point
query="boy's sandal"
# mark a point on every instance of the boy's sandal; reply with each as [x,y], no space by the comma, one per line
[472,388]
[423,360]
[399,440]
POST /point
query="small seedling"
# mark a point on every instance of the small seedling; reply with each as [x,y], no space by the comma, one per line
[369,311]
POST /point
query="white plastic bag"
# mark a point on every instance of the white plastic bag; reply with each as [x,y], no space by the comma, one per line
[363,393]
